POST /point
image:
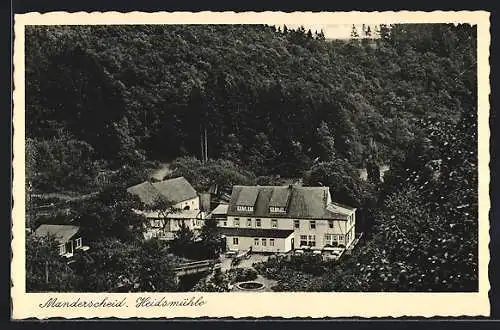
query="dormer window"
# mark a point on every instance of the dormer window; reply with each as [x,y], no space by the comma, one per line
[276,209]
[241,208]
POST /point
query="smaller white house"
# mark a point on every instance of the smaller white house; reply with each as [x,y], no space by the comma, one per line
[185,208]
[68,237]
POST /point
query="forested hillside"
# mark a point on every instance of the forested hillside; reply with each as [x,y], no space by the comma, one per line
[276,102]
[271,100]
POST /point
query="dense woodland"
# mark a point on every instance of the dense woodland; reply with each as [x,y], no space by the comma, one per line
[108,101]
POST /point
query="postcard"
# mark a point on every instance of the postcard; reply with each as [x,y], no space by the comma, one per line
[252,164]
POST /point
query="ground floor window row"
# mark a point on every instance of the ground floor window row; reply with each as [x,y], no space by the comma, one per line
[329,239]
[257,241]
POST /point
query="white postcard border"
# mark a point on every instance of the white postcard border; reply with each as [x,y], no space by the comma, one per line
[285,305]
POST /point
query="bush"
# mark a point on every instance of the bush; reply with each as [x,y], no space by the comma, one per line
[217,283]
[242,275]
[309,264]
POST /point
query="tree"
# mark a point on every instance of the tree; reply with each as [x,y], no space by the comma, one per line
[189,168]
[183,242]
[261,156]
[60,163]
[354,32]
[232,149]
[124,145]
[326,143]
[114,266]
[163,208]
[211,241]
[157,269]
[111,214]
[343,180]
[222,172]
[415,249]
[46,270]
[368,31]
[385,31]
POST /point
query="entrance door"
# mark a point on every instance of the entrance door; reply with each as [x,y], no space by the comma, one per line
[224,244]
[69,247]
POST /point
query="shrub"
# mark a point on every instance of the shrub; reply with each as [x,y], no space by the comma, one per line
[242,275]
[217,283]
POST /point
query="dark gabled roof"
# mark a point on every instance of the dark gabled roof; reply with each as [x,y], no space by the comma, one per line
[146,192]
[252,232]
[221,209]
[340,208]
[280,196]
[61,233]
[176,190]
[247,196]
[304,203]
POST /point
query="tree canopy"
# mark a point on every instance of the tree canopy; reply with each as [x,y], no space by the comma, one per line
[270,100]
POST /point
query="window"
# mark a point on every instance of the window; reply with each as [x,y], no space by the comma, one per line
[330,223]
[307,240]
[303,240]
[249,222]
[274,223]
[257,223]
[296,223]
[62,249]
[255,241]
[78,242]
[224,223]
[264,241]
[312,240]
[235,240]
[241,208]
[312,224]
[274,209]
[331,239]
[341,237]
[271,242]
[236,222]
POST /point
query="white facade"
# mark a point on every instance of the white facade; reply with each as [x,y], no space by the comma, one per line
[306,216]
[259,244]
[165,228]
[68,249]
[315,233]
[191,204]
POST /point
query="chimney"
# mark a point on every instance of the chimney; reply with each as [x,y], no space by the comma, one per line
[205,202]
